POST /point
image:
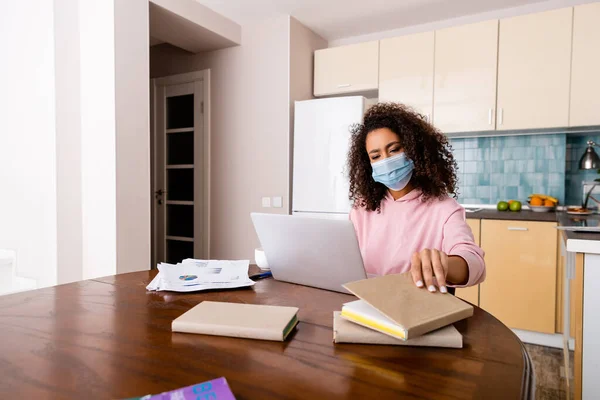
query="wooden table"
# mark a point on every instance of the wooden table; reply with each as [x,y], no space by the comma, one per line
[109,338]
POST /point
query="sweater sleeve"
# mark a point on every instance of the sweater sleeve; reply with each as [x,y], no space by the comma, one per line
[458,241]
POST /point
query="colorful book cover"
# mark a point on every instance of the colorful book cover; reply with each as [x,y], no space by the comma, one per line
[217,389]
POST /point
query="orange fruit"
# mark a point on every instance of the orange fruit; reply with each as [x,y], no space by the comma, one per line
[549,203]
[536,201]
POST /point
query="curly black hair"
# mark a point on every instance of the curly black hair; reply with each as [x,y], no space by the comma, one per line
[434,166]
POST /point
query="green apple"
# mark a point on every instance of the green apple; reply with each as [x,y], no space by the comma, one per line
[502,206]
[515,206]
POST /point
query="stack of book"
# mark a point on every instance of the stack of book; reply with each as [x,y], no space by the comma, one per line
[392,310]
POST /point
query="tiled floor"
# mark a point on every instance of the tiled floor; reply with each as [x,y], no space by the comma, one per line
[549,369]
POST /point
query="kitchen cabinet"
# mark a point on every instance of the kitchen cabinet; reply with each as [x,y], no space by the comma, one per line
[585,68]
[406,71]
[534,70]
[346,69]
[520,286]
[471,294]
[466,59]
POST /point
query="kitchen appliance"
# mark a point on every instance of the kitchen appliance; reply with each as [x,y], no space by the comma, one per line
[321,143]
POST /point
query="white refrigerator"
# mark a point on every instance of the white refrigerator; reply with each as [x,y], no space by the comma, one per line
[321,144]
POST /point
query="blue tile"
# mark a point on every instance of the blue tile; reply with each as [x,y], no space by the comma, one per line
[540,165]
[518,153]
[470,143]
[497,166]
[484,179]
[521,166]
[510,166]
[495,153]
[470,191]
[470,167]
[555,179]
[457,143]
[483,192]
[510,192]
[540,153]
[494,194]
[470,154]
[496,179]
[529,153]
[530,167]
[459,154]
[471,179]
[511,180]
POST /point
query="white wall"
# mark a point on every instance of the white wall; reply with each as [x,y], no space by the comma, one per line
[68,141]
[74,148]
[497,14]
[132,94]
[27,138]
[250,86]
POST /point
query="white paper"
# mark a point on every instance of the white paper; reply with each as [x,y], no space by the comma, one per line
[192,275]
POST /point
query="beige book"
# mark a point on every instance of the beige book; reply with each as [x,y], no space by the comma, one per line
[249,321]
[415,310]
[348,332]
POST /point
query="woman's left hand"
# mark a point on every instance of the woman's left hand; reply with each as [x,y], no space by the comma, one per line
[429,264]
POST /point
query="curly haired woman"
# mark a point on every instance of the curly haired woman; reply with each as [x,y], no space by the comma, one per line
[402,174]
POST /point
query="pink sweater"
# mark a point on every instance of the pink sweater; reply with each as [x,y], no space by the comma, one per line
[388,239]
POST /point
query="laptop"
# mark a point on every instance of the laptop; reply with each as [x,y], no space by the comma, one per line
[317,252]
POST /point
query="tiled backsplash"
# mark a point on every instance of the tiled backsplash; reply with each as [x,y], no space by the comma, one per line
[576,146]
[491,169]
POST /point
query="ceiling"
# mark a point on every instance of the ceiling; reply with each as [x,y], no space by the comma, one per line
[336,19]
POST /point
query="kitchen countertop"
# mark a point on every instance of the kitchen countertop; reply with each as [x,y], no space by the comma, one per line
[580,242]
[524,215]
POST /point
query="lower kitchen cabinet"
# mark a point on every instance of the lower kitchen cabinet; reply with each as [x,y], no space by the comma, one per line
[521,261]
[471,294]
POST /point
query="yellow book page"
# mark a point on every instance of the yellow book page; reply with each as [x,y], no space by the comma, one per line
[399,332]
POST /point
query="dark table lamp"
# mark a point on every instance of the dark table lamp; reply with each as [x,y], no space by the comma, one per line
[589,160]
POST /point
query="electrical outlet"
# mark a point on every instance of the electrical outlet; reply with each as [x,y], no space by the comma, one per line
[266,202]
[277,202]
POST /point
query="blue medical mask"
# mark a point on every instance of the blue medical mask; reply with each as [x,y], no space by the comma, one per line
[394,172]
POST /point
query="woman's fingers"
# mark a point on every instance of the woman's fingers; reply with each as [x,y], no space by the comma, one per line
[427,269]
[438,270]
[415,270]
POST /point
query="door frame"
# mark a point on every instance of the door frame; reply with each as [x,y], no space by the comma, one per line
[190,77]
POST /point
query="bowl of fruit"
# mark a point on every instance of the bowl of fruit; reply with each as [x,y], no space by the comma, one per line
[542,203]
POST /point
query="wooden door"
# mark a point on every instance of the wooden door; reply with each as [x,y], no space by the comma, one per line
[406,71]
[534,64]
[471,294]
[179,185]
[466,59]
[520,286]
[585,73]
[346,69]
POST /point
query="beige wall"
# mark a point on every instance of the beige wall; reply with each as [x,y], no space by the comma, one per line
[250,128]
[303,43]
[132,116]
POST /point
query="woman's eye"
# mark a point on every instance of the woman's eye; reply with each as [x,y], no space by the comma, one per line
[394,150]
[374,157]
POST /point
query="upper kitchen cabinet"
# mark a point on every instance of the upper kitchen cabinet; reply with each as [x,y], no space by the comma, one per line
[406,71]
[466,59]
[346,69]
[585,68]
[534,64]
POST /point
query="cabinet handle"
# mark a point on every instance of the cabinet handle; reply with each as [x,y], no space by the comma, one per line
[517,228]
[490,111]
[500,116]
[341,85]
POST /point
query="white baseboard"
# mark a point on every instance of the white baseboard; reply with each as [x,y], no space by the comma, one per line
[543,339]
